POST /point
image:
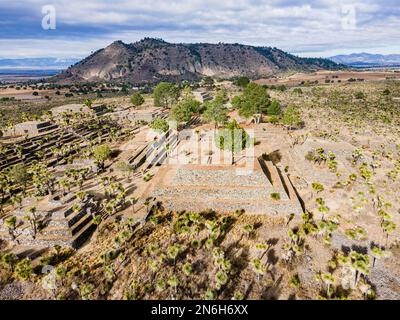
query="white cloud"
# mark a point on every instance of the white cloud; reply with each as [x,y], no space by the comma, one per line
[304,26]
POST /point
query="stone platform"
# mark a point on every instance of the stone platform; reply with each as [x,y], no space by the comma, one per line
[224,188]
[61,225]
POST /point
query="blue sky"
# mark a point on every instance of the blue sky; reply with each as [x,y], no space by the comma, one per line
[304,27]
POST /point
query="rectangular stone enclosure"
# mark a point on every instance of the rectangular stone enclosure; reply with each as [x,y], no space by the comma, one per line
[262,189]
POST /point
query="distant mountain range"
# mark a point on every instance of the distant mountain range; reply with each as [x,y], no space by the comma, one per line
[37,63]
[152,60]
[368,60]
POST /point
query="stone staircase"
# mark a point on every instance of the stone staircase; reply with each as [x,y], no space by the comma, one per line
[46,127]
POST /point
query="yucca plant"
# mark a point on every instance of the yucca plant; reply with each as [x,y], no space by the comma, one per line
[187,269]
[195,243]
[238,296]
[328,279]
[24,269]
[173,282]
[152,249]
[360,264]
[173,252]
[249,229]
[11,224]
[209,295]
[377,253]
[9,259]
[161,285]
[221,279]
[263,248]
[294,281]
[259,268]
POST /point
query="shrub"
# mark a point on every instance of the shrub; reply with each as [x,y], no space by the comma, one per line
[297,91]
[137,99]
[159,125]
[359,95]
[291,117]
[274,109]
[275,196]
[242,82]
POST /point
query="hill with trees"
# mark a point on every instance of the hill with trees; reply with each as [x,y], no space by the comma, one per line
[154,60]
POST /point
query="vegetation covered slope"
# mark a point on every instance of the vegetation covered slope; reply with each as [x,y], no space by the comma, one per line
[153,60]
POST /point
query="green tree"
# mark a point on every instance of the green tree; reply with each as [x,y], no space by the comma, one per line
[24,269]
[388,227]
[291,117]
[187,268]
[165,94]
[233,138]
[317,187]
[11,224]
[173,282]
[242,81]
[184,110]
[137,99]
[19,174]
[16,199]
[125,168]
[216,112]
[360,264]
[209,295]
[4,190]
[328,279]
[173,252]
[259,268]
[9,260]
[359,95]
[254,100]
[160,125]
[101,154]
[33,220]
[274,109]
